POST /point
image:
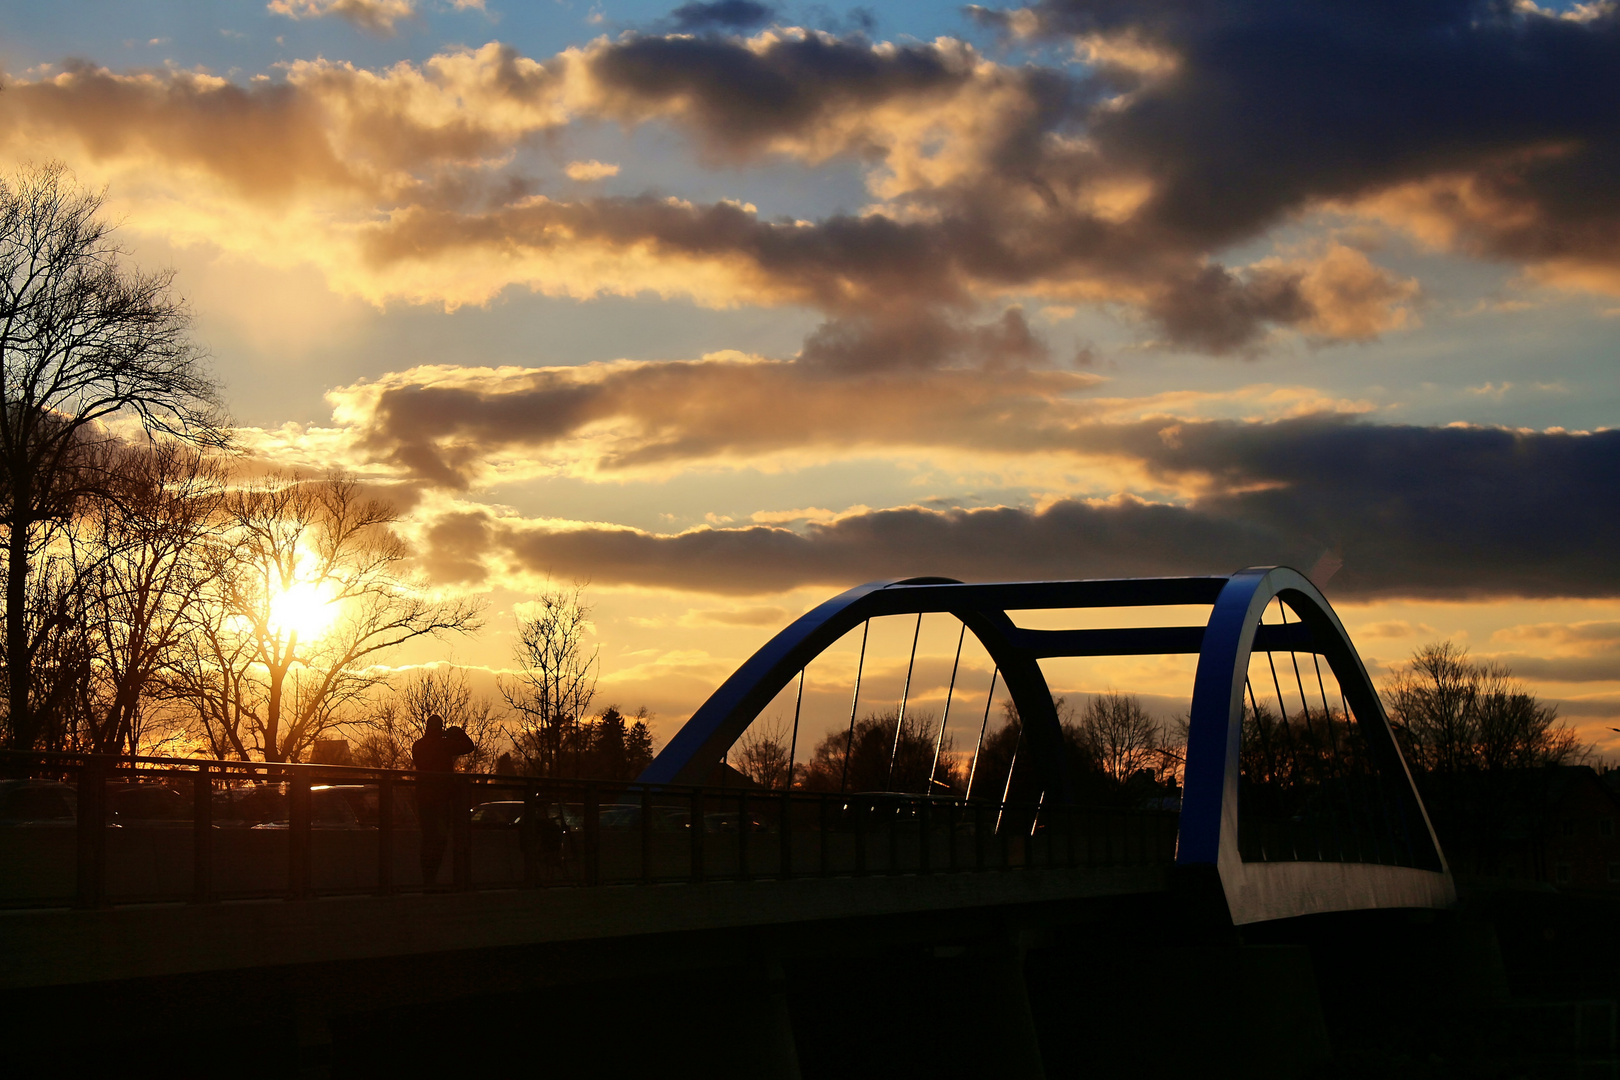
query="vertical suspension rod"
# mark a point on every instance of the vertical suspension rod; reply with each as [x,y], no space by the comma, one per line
[973,769]
[1012,766]
[939,736]
[793,743]
[905,696]
[860,665]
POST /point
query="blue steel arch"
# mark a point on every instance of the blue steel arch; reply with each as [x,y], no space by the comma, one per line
[1257,891]
[1209,820]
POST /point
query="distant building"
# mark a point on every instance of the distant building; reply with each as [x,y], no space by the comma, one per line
[1555,825]
[331,752]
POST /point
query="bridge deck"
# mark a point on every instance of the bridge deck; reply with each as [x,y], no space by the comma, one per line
[71,946]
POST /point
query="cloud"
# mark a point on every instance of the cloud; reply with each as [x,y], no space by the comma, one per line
[1562,669]
[1451,512]
[766,615]
[590,170]
[1190,129]
[721,15]
[1483,128]
[449,426]
[924,339]
[1580,635]
[378,16]
[1395,628]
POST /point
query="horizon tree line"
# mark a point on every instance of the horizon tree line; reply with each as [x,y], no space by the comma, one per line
[155,589]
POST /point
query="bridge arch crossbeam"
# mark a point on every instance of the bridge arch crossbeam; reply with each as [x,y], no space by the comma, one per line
[1209,831]
[724,717]
[1209,835]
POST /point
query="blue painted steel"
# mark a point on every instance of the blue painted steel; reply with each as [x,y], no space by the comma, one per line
[1208,836]
[691,755]
[1209,809]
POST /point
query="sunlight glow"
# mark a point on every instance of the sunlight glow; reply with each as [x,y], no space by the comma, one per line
[305,609]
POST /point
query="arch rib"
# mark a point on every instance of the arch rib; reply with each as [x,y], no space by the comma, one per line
[1257,891]
[1208,838]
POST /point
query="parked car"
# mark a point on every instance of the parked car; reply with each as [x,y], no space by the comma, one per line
[508,813]
[497,815]
[264,806]
[556,833]
[37,802]
[148,804]
[363,799]
[627,816]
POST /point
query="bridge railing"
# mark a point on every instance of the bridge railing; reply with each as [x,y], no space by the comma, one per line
[92,831]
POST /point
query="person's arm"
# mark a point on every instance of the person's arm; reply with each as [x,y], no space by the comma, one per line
[458,742]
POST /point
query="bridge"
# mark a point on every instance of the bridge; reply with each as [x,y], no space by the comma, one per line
[285,900]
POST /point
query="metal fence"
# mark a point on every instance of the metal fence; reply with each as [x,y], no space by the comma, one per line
[93,831]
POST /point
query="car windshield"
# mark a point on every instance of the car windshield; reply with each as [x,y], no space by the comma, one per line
[148,803]
[37,801]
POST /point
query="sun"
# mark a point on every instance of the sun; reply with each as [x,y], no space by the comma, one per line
[305,609]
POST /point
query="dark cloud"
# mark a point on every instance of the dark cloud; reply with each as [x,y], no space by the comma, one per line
[659,414]
[1481,127]
[720,15]
[1071,539]
[925,338]
[1419,511]
[1562,669]
[840,263]
[1595,708]
[735,96]
[1502,116]
[1410,511]
[455,543]
[264,140]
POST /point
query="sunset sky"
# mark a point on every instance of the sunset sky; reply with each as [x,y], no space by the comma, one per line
[726,307]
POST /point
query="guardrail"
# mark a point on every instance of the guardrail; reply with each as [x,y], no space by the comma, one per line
[92,831]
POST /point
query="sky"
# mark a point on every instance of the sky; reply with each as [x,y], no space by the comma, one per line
[722,308]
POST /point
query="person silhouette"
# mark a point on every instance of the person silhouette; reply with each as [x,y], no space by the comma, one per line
[434,758]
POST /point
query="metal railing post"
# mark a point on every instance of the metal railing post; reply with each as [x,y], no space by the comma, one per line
[784,830]
[894,837]
[742,836]
[925,854]
[696,828]
[385,834]
[92,833]
[593,835]
[646,836]
[860,838]
[529,834]
[202,836]
[298,835]
[826,841]
[460,833]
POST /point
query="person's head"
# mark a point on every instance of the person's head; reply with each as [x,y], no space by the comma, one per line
[435,726]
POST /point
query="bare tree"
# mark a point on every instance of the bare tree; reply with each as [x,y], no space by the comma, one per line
[555,682]
[147,544]
[1124,737]
[264,675]
[762,754]
[863,757]
[385,735]
[84,342]
[445,691]
[1454,715]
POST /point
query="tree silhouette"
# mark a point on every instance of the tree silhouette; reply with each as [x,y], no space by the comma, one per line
[84,342]
[1454,715]
[865,758]
[555,682]
[260,684]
